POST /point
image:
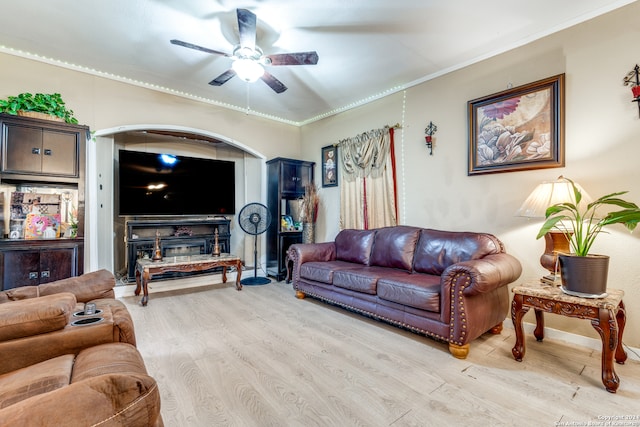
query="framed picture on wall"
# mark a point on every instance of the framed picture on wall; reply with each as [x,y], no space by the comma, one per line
[330,166]
[518,129]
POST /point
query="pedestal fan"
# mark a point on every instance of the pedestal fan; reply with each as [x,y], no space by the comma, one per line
[254,219]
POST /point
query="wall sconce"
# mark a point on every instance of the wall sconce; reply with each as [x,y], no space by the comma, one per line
[429,131]
[633,79]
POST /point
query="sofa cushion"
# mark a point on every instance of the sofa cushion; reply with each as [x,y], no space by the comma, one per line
[322,271]
[359,279]
[40,378]
[394,247]
[354,245]
[415,290]
[436,250]
[35,316]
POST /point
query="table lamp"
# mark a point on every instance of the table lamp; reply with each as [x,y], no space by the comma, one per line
[544,195]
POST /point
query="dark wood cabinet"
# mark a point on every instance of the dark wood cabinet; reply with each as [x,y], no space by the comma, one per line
[36,149]
[176,238]
[28,263]
[43,153]
[286,181]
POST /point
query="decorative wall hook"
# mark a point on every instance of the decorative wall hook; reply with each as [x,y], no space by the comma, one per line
[633,79]
[429,131]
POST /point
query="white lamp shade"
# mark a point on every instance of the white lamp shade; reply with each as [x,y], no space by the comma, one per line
[547,194]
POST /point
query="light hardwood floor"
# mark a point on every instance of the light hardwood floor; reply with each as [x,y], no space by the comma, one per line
[261,357]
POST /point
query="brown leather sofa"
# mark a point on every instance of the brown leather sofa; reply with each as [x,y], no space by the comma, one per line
[44,338]
[451,286]
[63,367]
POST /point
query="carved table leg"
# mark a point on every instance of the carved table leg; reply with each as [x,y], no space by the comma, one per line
[621,317]
[145,288]
[538,332]
[517,312]
[224,274]
[238,275]
[607,327]
[138,284]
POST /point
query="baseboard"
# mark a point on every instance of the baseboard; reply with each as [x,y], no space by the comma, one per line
[633,353]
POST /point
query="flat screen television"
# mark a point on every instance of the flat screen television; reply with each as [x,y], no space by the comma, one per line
[152,184]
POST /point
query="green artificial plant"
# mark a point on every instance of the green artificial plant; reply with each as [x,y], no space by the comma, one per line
[40,102]
[584,224]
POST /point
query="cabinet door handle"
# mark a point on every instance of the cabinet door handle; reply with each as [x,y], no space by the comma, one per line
[33,275]
[44,274]
[35,151]
[47,152]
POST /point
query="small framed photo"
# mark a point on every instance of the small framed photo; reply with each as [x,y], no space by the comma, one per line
[330,166]
[518,129]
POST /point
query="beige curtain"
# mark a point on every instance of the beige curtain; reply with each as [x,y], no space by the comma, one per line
[367,195]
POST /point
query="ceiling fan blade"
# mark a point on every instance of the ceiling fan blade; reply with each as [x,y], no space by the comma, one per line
[247,28]
[299,58]
[223,78]
[196,47]
[273,83]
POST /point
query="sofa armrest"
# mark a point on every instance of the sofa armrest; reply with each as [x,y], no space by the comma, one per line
[113,399]
[485,274]
[305,252]
[300,253]
[34,316]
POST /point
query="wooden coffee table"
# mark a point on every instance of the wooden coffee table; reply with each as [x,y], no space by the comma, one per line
[607,316]
[146,269]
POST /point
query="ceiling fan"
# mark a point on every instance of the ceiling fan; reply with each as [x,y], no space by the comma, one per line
[249,60]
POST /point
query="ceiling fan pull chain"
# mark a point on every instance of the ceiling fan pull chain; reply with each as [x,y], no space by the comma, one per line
[248,97]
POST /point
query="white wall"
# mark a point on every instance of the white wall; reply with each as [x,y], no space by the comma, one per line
[602,149]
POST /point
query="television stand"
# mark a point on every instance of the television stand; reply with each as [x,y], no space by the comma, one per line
[177,237]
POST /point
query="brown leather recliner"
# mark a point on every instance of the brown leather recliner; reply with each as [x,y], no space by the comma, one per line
[64,338]
[35,329]
[57,370]
[104,385]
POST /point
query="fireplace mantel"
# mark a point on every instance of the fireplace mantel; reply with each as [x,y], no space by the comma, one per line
[177,237]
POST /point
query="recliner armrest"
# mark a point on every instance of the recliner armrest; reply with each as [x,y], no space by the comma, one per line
[34,316]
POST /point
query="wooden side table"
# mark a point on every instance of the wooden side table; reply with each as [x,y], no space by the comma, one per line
[607,316]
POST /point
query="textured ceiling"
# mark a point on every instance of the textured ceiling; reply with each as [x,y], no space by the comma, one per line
[367,48]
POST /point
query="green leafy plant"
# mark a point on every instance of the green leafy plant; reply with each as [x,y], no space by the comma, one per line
[40,102]
[584,224]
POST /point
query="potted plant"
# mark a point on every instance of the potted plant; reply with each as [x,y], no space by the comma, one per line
[48,104]
[582,273]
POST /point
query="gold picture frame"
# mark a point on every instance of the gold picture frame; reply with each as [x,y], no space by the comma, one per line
[518,129]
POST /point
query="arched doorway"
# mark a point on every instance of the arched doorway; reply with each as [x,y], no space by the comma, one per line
[106,228]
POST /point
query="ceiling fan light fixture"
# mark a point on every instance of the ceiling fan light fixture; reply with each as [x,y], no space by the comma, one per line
[247,69]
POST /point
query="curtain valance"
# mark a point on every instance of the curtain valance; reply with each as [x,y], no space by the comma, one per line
[365,155]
